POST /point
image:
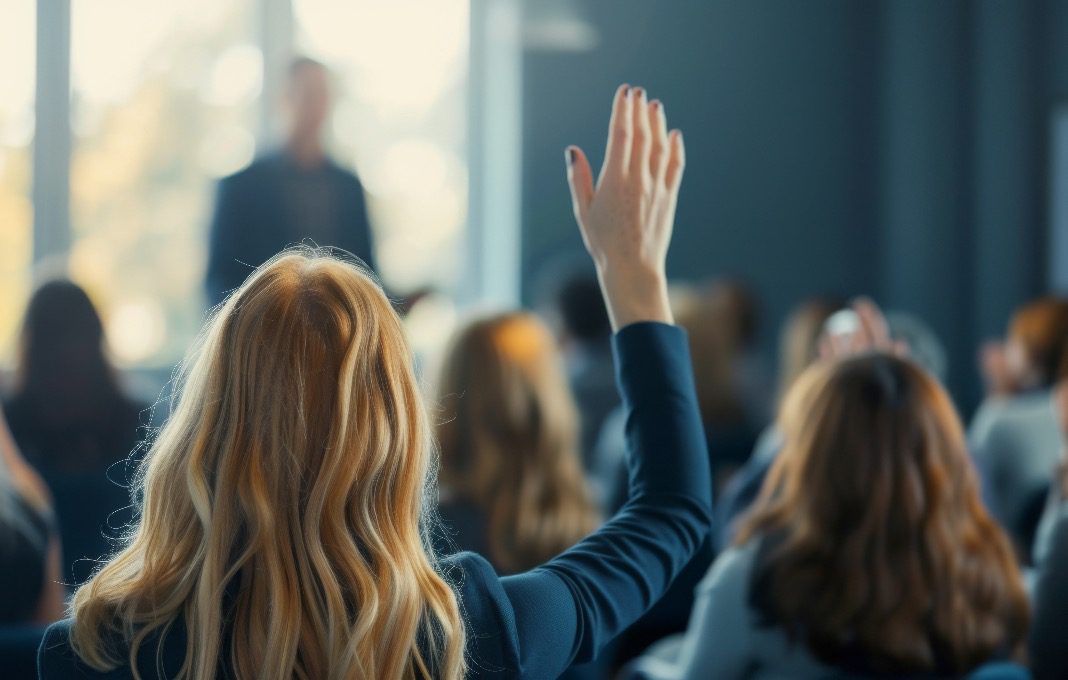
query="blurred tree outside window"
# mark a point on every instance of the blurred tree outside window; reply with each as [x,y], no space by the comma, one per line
[164,103]
[400,74]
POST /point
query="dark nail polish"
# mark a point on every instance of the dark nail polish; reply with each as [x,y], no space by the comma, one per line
[570,157]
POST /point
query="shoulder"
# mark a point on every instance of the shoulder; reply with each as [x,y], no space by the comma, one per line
[732,571]
[476,585]
[1022,421]
[342,174]
[56,657]
[489,620]
[260,168]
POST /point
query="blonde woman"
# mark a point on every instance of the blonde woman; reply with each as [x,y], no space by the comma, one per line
[512,483]
[283,531]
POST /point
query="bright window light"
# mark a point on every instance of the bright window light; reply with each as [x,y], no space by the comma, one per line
[17,53]
[400,69]
[164,101]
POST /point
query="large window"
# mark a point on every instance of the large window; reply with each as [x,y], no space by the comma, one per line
[165,98]
[16,134]
[164,101]
[400,69]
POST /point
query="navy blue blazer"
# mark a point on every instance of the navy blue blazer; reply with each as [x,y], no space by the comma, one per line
[253,220]
[536,624]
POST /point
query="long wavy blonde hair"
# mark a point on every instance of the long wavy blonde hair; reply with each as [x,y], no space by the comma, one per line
[283,520]
[509,440]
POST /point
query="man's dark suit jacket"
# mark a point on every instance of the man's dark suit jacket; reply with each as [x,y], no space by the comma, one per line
[255,219]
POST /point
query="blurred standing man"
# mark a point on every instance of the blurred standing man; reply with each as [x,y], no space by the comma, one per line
[291,194]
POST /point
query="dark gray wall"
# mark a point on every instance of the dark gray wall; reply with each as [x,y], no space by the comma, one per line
[894,148]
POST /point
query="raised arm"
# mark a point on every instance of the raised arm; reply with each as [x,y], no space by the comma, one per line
[534,625]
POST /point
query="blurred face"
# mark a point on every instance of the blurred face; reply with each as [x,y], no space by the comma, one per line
[1018,363]
[308,101]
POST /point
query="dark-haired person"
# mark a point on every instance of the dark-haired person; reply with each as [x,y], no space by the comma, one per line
[284,529]
[288,195]
[1014,434]
[31,590]
[869,552]
[73,422]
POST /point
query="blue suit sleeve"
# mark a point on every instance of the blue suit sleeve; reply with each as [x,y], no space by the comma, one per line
[568,609]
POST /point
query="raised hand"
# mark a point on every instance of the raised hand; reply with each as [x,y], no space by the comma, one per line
[626,221]
[869,332]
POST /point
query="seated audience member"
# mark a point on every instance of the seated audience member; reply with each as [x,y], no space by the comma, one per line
[283,530]
[870,552]
[31,591]
[1014,434]
[800,347]
[512,485]
[73,422]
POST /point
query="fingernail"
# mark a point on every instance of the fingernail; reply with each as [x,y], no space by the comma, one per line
[655,104]
[569,154]
[640,93]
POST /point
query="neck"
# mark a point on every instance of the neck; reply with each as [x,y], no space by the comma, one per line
[306,150]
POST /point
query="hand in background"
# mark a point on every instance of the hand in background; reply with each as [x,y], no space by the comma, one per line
[869,332]
[627,220]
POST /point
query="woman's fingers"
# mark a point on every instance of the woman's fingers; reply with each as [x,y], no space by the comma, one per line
[873,325]
[676,162]
[620,129]
[580,179]
[641,144]
[658,154]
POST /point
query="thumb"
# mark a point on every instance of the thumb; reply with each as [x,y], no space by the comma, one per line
[580,179]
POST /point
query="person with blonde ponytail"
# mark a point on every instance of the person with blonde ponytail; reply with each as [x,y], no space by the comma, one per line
[284,530]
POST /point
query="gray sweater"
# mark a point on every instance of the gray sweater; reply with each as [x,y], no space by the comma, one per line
[1016,443]
[725,638]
